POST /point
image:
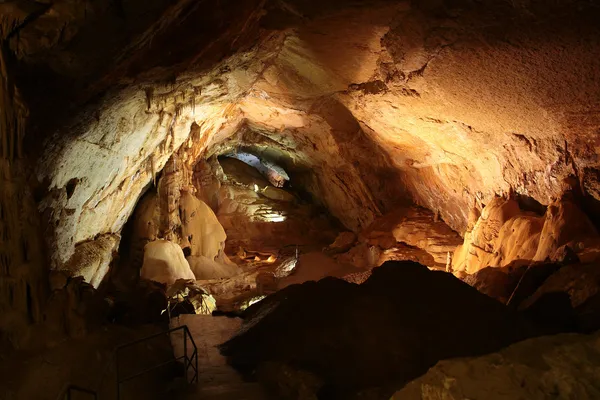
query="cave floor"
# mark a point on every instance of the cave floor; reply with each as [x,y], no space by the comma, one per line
[216,379]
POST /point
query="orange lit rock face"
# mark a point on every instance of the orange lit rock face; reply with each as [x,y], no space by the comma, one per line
[392,103]
[504,235]
[417,228]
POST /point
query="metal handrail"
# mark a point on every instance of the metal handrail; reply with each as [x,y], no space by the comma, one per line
[74,388]
[188,362]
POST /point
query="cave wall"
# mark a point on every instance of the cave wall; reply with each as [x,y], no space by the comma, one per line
[111,162]
[465,103]
[23,272]
[444,103]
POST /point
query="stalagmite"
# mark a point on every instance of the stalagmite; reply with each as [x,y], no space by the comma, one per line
[169,192]
[164,262]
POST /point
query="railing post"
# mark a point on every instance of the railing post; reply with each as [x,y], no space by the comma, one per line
[197,372]
[185,360]
[118,379]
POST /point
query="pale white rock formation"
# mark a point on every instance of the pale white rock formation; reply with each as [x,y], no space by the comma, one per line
[200,227]
[164,262]
[205,268]
[195,229]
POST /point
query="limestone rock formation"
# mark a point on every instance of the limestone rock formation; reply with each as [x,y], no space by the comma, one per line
[145,229]
[567,225]
[92,259]
[562,367]
[23,268]
[366,257]
[170,187]
[407,233]
[373,101]
[207,178]
[315,266]
[164,262]
[483,243]
[343,242]
[416,227]
[207,268]
[187,221]
[73,311]
[371,105]
[200,228]
[259,216]
[330,330]
[506,235]
[23,271]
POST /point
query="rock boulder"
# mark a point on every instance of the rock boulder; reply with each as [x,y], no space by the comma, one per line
[390,329]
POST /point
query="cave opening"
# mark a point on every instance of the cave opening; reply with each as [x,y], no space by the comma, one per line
[275,174]
[345,199]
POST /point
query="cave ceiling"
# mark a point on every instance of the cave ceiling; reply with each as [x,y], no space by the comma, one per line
[444,103]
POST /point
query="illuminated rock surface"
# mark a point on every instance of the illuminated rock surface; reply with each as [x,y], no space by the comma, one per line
[560,366]
[398,93]
[164,262]
[506,235]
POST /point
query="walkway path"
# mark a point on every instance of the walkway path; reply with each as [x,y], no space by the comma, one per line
[216,379]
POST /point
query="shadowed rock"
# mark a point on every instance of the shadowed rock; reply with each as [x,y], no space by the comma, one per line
[392,328]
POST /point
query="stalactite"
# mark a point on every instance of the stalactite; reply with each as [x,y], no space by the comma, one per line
[197,92]
[178,110]
[153,167]
[149,96]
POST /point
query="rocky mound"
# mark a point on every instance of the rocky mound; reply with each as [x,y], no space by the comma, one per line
[498,283]
[580,285]
[391,329]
